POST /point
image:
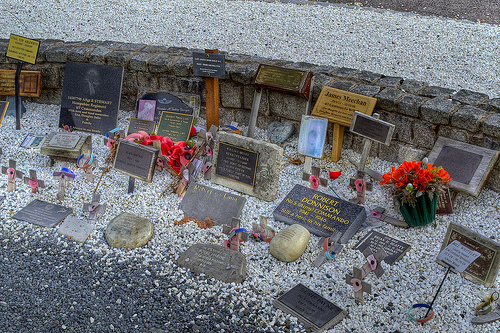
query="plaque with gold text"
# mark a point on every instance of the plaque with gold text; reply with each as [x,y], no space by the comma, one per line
[30,83]
[22,49]
[283,79]
[339,105]
[135,125]
[176,126]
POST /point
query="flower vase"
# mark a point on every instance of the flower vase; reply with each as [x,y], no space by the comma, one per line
[423,213]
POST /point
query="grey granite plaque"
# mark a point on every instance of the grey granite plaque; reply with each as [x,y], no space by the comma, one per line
[209,65]
[320,213]
[469,166]
[394,248]
[128,231]
[267,169]
[135,125]
[64,140]
[135,160]
[372,128]
[202,202]
[43,213]
[76,229]
[215,261]
[311,308]
[66,145]
[483,270]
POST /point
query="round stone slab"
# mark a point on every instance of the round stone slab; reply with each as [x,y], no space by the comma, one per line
[278,132]
[289,244]
[128,231]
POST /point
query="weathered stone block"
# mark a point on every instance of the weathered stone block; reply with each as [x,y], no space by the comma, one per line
[98,55]
[390,81]
[438,110]
[248,94]
[44,46]
[286,105]
[132,46]
[491,125]
[366,76]
[119,58]
[342,85]
[130,85]
[494,181]
[403,129]
[389,153]
[344,72]
[173,50]
[58,53]
[434,91]
[51,78]
[413,86]
[366,90]
[469,118]
[80,54]
[303,66]
[407,153]
[192,85]
[388,99]
[410,105]
[154,49]
[486,142]
[492,105]
[470,97]
[89,43]
[147,80]
[231,94]
[161,64]
[238,58]
[183,67]
[139,62]
[320,80]
[244,74]
[324,69]
[110,44]
[453,133]
[423,134]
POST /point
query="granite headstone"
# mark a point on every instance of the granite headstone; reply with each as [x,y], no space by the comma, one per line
[43,213]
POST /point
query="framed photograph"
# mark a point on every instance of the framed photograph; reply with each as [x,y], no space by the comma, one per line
[312,136]
[146,109]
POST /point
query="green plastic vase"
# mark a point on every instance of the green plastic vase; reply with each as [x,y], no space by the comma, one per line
[423,213]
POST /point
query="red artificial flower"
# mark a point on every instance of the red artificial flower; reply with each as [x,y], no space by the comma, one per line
[193,132]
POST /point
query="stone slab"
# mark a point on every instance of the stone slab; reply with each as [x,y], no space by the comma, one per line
[76,229]
[203,201]
[311,308]
[215,261]
[320,213]
[374,240]
[62,144]
[267,168]
[43,213]
[128,231]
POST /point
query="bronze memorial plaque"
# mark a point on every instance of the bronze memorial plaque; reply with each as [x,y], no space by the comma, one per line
[30,83]
[283,79]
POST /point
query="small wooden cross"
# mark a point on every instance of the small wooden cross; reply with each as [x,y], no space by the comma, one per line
[34,182]
[94,208]
[332,245]
[12,174]
[64,177]
[234,242]
[205,147]
[186,174]
[314,178]
[356,280]
[263,230]
[360,185]
[378,213]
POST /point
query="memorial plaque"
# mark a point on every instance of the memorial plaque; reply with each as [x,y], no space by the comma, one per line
[171,102]
[176,126]
[135,160]
[91,97]
[135,125]
[237,165]
[484,269]
[372,128]
[394,248]
[310,308]
[22,49]
[128,231]
[209,65]
[201,202]
[215,261]
[30,83]
[32,141]
[283,79]
[339,105]
[43,213]
[458,256]
[320,213]
[446,201]
[76,229]
[3,109]
[469,166]
[64,140]
[66,145]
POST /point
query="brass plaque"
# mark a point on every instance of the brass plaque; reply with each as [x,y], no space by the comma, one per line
[30,83]
[283,79]
[22,49]
[339,105]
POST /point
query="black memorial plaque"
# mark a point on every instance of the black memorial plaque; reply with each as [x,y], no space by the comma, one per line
[394,248]
[91,97]
[460,164]
[236,163]
[209,65]
[43,213]
[176,126]
[320,213]
[372,128]
[135,160]
[310,307]
[166,102]
[135,125]
[283,79]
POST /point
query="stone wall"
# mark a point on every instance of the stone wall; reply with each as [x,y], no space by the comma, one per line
[420,112]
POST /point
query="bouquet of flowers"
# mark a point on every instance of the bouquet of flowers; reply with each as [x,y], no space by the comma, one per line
[412,179]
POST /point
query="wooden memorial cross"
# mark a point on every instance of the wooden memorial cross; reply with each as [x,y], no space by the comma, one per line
[378,213]
[12,174]
[34,182]
[94,208]
[356,280]
[330,245]
[263,231]
[360,185]
[234,242]
[314,178]
[64,176]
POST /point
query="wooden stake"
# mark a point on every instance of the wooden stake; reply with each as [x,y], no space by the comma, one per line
[338,138]
[212,102]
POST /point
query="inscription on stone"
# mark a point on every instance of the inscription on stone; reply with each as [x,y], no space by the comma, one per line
[394,248]
[236,163]
[135,160]
[215,261]
[176,126]
[43,213]
[310,307]
[128,231]
[64,140]
[320,213]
